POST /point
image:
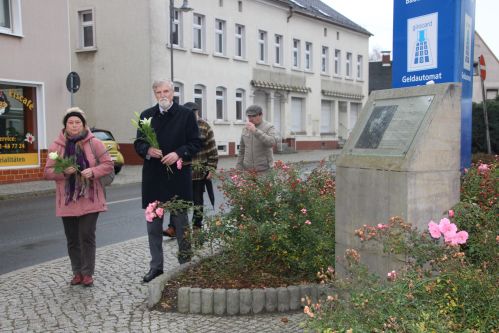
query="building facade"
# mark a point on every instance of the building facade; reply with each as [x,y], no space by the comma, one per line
[491,83]
[303,62]
[34,63]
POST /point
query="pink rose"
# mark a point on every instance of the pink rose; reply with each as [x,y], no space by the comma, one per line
[451,213]
[160,211]
[150,208]
[434,230]
[179,163]
[483,168]
[458,238]
[450,238]
[150,216]
[304,211]
[308,222]
[446,227]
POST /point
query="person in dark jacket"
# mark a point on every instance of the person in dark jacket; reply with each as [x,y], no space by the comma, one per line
[178,137]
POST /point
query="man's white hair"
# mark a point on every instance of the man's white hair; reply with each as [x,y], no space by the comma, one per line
[160,82]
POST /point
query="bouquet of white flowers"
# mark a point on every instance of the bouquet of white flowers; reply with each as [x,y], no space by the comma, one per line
[62,163]
[144,127]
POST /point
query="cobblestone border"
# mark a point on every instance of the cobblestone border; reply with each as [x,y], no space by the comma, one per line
[234,301]
[247,301]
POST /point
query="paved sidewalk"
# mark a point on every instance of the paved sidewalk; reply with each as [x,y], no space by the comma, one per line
[40,299]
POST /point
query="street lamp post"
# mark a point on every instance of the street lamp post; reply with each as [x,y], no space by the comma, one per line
[185,8]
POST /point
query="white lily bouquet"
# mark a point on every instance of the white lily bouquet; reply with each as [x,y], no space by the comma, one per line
[144,127]
[62,163]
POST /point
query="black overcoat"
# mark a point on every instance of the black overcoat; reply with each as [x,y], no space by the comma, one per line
[177,131]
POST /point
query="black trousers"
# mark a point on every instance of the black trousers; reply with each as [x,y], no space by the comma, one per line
[198,194]
[155,235]
[80,237]
[198,200]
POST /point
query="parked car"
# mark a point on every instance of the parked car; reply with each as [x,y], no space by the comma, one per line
[112,146]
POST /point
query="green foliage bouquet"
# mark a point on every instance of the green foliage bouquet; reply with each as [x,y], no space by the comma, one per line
[282,220]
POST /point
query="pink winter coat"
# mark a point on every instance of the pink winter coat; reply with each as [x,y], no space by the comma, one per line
[83,205]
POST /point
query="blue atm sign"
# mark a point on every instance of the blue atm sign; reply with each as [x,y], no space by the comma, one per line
[433,41]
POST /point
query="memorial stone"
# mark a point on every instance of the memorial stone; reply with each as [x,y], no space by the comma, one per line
[401,159]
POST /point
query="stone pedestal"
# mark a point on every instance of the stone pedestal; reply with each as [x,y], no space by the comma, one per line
[402,159]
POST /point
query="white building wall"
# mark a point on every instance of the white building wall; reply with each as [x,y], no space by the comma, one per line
[192,67]
[492,67]
[117,76]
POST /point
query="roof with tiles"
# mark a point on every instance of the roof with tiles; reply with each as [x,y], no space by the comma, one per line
[320,10]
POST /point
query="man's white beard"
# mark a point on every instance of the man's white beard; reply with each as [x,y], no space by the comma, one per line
[164,103]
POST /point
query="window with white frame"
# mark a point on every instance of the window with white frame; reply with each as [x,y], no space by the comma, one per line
[5,11]
[177,26]
[308,56]
[178,95]
[220,103]
[327,117]
[198,32]
[348,65]
[239,104]
[297,115]
[240,41]
[10,17]
[220,37]
[87,29]
[360,68]
[223,148]
[262,46]
[278,50]
[296,53]
[199,99]
[337,62]
[325,60]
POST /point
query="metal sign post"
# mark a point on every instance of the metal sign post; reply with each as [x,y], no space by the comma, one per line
[483,75]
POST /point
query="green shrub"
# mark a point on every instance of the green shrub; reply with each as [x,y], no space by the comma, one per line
[478,127]
[478,212]
[280,220]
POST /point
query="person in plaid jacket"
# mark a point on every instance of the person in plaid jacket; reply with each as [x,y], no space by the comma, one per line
[204,164]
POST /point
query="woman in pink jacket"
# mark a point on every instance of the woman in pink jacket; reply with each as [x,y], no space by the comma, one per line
[79,194]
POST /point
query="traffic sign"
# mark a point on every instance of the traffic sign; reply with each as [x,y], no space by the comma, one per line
[483,71]
[73,82]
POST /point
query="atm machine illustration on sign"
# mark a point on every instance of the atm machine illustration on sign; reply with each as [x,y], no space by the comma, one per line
[422,45]
[422,54]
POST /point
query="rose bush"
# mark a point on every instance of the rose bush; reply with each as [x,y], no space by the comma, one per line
[280,221]
[449,282]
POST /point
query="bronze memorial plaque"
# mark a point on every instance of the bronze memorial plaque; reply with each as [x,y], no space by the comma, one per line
[391,126]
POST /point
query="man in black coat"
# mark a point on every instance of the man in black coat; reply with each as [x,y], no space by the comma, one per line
[178,137]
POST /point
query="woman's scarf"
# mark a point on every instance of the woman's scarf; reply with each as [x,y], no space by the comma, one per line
[76,185]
